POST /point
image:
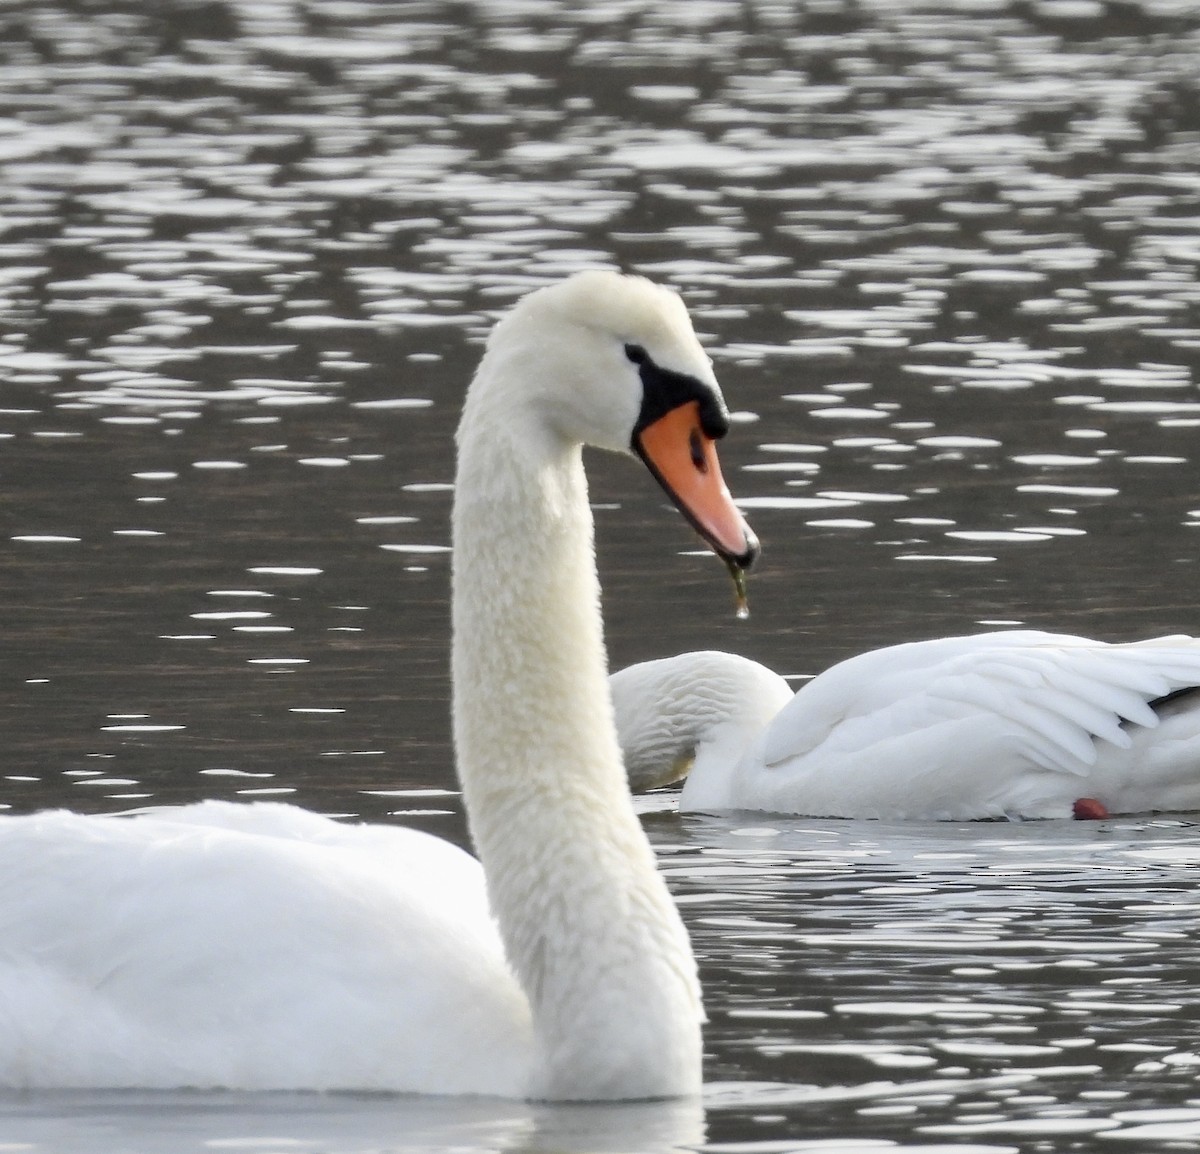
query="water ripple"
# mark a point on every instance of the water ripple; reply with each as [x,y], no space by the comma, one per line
[944,258]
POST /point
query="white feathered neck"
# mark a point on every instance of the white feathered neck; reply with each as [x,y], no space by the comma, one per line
[587,921]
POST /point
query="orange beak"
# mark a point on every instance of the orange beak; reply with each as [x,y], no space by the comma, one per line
[683,458]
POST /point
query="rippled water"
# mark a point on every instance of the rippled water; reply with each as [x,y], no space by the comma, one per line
[944,257]
[999,984]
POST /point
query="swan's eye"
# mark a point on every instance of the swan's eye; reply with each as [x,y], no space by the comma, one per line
[697,447]
[636,354]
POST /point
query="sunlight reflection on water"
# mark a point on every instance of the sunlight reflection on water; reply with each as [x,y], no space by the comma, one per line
[943,256]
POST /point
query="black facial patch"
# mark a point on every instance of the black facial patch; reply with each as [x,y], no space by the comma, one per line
[664,390]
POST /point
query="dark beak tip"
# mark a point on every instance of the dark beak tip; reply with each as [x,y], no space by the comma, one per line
[753,550]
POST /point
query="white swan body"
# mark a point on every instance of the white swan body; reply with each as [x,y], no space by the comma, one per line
[1006,724]
[250,946]
[265,947]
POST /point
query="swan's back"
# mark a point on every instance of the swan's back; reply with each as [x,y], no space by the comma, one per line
[249,947]
[991,725]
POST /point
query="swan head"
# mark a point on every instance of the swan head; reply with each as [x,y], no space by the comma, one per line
[694,713]
[612,361]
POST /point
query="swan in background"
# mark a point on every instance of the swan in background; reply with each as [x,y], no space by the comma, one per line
[264,947]
[1007,724]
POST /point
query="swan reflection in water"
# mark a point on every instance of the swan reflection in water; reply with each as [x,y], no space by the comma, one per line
[109,1122]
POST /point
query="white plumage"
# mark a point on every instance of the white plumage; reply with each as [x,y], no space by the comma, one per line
[1006,724]
[250,946]
[261,946]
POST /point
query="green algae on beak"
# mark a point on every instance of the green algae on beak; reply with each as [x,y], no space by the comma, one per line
[739,588]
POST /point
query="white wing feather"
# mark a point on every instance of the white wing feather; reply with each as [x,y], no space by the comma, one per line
[1047,697]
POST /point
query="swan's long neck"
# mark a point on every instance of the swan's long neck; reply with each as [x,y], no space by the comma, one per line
[587,921]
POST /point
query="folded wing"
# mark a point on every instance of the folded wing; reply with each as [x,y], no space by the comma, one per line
[1044,697]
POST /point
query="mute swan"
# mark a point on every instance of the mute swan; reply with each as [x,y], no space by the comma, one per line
[261,946]
[1008,724]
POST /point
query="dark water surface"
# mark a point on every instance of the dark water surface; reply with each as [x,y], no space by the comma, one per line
[944,256]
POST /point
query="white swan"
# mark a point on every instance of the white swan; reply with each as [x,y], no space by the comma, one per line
[1009,724]
[266,947]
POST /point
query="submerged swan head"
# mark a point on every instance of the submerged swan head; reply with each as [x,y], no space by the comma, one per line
[686,713]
